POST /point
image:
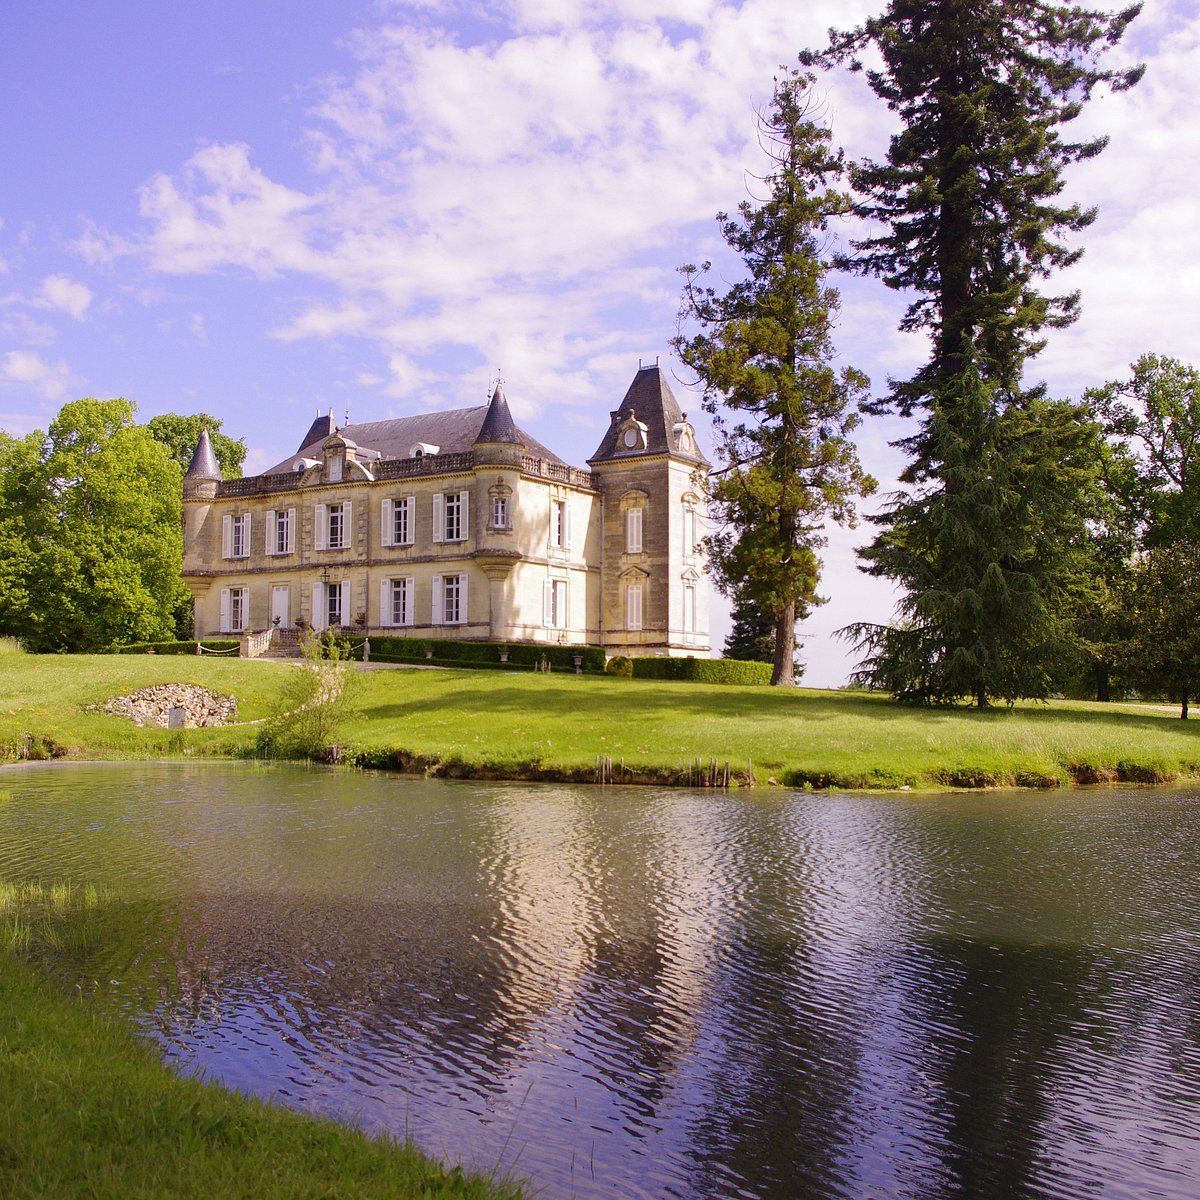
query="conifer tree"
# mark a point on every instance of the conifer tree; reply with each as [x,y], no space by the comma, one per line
[969,221]
[751,637]
[782,414]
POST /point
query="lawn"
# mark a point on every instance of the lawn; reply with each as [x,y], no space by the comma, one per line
[558,726]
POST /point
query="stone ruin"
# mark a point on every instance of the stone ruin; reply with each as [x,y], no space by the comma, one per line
[175,706]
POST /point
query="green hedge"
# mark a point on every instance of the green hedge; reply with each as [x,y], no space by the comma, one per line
[455,653]
[175,647]
[702,670]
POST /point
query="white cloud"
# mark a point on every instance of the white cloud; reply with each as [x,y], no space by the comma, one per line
[64,294]
[25,368]
[510,199]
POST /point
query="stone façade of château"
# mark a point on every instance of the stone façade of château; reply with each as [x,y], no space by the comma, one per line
[458,524]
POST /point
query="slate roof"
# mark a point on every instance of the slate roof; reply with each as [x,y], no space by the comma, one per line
[204,463]
[453,432]
[498,425]
[651,400]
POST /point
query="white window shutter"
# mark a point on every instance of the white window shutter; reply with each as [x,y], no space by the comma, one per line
[319,614]
[464,509]
[347,615]
[633,531]
[439,517]
[246,537]
[321,528]
[567,524]
[412,517]
[386,523]
[348,524]
[406,607]
[271,533]
[633,606]
[464,611]
[548,603]
[226,537]
[438,596]
[226,608]
[291,531]
[385,602]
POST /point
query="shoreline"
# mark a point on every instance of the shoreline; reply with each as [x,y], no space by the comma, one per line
[598,730]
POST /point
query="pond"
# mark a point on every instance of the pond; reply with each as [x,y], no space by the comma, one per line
[626,992]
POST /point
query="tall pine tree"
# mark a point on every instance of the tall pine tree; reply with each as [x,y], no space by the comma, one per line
[969,217]
[782,414]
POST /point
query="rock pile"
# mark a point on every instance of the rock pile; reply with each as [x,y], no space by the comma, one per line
[195,706]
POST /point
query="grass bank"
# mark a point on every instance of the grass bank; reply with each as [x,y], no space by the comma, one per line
[559,727]
[87,1110]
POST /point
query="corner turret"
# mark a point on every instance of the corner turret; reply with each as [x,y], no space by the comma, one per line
[204,472]
[498,440]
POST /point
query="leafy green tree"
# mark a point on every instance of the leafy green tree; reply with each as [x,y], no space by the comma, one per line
[181,434]
[968,220]
[1153,422]
[90,537]
[1164,647]
[782,415]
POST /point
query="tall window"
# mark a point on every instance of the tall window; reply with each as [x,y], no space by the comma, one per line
[238,606]
[452,599]
[333,605]
[235,609]
[633,605]
[633,531]
[689,530]
[400,599]
[454,507]
[560,524]
[555,616]
[451,522]
[401,531]
[337,527]
[335,466]
[396,524]
[235,536]
[499,512]
[281,525]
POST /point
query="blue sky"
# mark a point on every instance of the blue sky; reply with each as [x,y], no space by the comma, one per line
[259,209]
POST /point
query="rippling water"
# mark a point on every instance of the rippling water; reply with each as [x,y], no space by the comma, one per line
[631,993]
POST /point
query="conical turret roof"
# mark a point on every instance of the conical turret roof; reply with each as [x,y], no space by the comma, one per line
[204,463]
[498,425]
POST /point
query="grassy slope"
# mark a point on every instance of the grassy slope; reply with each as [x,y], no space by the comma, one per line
[484,722]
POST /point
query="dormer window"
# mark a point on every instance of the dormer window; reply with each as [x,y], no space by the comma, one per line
[632,435]
[421,449]
[335,466]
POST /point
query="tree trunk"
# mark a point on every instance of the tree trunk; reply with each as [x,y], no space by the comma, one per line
[1183,705]
[1102,688]
[783,673]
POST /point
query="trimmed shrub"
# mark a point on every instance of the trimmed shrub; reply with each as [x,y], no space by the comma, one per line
[702,670]
[175,647]
[620,665]
[484,654]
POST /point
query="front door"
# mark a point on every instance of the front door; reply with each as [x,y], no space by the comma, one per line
[279,605]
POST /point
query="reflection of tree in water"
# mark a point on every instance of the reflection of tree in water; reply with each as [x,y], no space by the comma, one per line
[774,1118]
[1007,1014]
